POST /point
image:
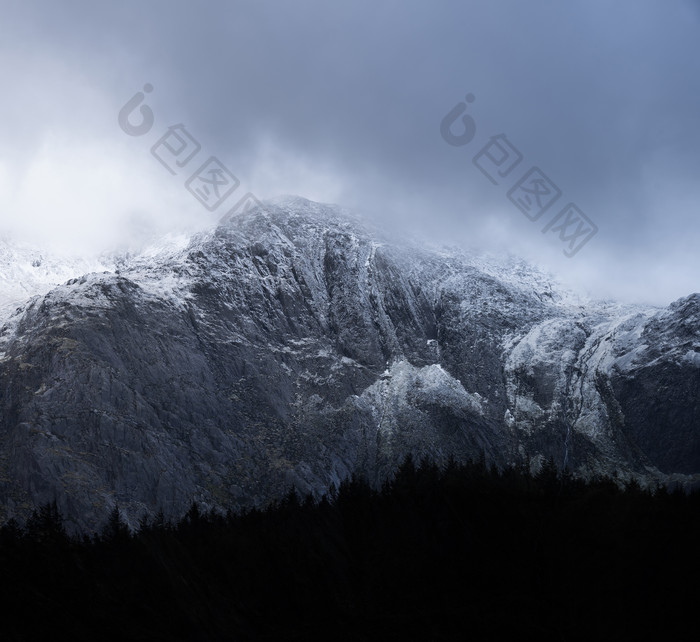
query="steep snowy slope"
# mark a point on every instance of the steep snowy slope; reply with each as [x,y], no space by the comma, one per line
[26,272]
[296,345]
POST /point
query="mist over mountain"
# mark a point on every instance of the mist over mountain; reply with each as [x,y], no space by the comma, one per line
[296,344]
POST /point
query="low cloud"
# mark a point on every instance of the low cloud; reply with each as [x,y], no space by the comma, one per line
[343,103]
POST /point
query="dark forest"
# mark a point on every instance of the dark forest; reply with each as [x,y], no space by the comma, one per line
[455,553]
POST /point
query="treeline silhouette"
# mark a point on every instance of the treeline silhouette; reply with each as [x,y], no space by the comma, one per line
[464,552]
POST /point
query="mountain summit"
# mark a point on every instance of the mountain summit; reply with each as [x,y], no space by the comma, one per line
[296,345]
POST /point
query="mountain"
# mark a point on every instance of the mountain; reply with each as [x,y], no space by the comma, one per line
[296,345]
[26,272]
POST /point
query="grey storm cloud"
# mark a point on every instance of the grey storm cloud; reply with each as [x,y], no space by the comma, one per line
[343,102]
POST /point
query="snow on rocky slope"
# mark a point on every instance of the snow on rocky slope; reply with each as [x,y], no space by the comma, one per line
[26,272]
[296,345]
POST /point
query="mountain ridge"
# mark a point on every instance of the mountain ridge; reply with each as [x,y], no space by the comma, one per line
[295,345]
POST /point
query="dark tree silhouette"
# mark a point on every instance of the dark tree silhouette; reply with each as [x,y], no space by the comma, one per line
[463,551]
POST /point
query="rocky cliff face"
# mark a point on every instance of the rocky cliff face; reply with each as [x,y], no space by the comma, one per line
[294,345]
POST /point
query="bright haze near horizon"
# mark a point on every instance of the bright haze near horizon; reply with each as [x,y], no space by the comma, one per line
[342,102]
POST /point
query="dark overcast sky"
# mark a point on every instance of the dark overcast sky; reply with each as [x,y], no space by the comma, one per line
[342,102]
